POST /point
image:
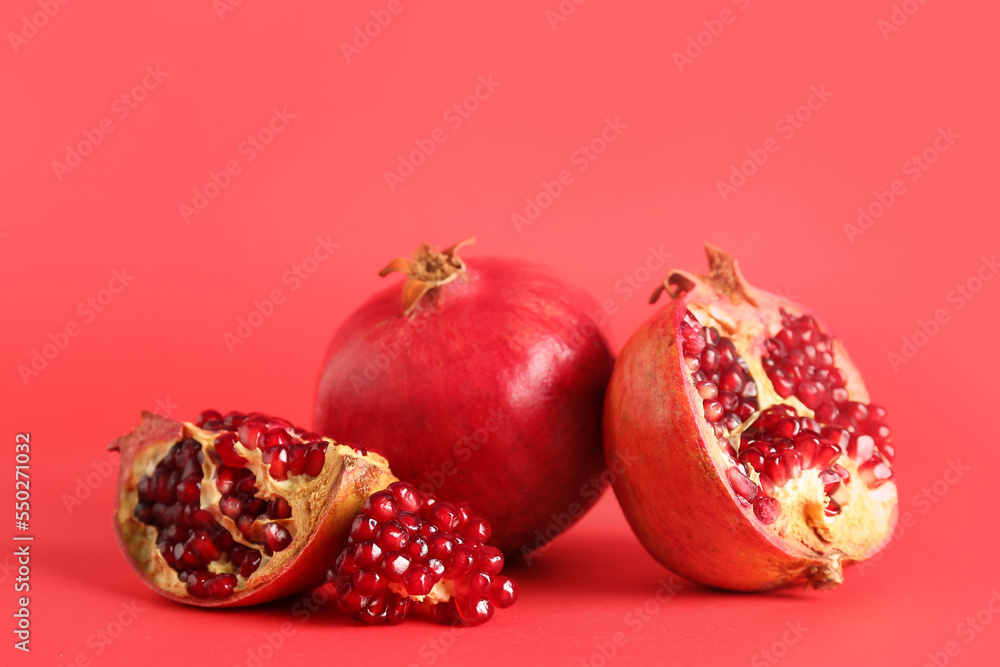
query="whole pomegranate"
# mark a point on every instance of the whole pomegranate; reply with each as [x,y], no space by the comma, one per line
[242,509]
[484,380]
[759,461]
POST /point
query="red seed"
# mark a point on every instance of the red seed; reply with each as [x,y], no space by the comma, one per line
[418,580]
[742,485]
[874,472]
[225,445]
[275,437]
[713,411]
[381,506]
[861,447]
[250,432]
[767,509]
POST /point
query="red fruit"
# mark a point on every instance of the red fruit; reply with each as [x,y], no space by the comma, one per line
[455,580]
[482,381]
[200,530]
[810,488]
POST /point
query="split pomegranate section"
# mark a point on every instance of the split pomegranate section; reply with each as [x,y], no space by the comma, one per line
[777,445]
[765,464]
[240,509]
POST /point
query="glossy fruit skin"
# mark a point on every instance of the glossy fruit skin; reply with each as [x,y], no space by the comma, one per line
[674,495]
[489,392]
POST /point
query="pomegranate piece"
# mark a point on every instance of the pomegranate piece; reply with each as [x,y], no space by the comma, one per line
[434,564]
[478,371]
[755,390]
[204,518]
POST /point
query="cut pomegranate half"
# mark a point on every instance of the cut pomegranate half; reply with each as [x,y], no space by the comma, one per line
[763,462]
[237,510]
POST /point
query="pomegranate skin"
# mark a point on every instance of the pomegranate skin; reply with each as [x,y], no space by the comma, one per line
[673,492]
[490,391]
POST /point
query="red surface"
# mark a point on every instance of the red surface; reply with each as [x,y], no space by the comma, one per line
[160,342]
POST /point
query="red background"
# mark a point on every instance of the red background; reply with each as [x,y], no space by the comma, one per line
[159,343]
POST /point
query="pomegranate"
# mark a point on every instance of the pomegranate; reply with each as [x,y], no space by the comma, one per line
[484,381]
[760,460]
[242,509]
[409,551]
[237,510]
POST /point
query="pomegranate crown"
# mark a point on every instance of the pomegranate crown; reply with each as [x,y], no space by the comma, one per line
[428,269]
[724,277]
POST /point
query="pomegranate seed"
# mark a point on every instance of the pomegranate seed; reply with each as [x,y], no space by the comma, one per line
[205,416]
[842,471]
[825,455]
[742,486]
[753,458]
[478,529]
[861,447]
[279,508]
[808,446]
[443,515]
[707,390]
[832,508]
[731,380]
[474,612]
[838,378]
[713,411]
[766,509]
[276,458]
[367,554]
[827,412]
[874,472]
[225,446]
[297,459]
[692,363]
[381,506]
[830,480]
[877,430]
[394,565]
[810,393]
[709,359]
[406,495]
[418,548]
[250,564]
[503,592]
[220,586]
[276,537]
[391,536]
[231,506]
[837,435]
[250,432]
[419,580]
[856,411]
[363,528]
[315,459]
[887,451]
[876,412]
[369,582]
[275,437]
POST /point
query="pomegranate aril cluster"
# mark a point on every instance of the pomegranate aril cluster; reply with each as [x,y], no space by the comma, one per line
[402,545]
[779,444]
[799,361]
[721,377]
[188,537]
[286,449]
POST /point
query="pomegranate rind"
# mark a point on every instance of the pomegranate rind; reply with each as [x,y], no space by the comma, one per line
[675,495]
[322,510]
